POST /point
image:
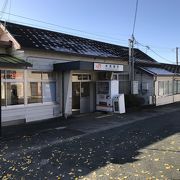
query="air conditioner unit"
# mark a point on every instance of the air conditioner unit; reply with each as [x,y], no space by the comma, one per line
[150,99]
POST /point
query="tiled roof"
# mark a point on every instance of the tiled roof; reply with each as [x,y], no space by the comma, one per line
[31,37]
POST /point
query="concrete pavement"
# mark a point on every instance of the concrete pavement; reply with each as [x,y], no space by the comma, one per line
[36,136]
[85,123]
[147,147]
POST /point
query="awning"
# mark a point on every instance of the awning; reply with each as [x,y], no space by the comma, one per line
[7,61]
[74,65]
[89,66]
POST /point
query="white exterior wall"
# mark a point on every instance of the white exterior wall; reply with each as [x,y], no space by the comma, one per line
[67,93]
[29,113]
[153,88]
[36,111]
[177,96]
[166,99]
[43,62]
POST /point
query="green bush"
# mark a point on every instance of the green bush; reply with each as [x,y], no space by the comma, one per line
[132,100]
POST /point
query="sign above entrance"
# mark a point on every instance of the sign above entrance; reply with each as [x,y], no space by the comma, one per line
[107,67]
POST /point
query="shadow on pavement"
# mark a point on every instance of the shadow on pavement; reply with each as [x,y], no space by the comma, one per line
[84,155]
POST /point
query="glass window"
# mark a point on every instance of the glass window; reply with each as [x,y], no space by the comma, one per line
[34,92]
[161,88]
[49,91]
[85,89]
[166,87]
[34,75]
[10,74]
[103,88]
[170,87]
[48,76]
[178,87]
[79,77]
[12,91]
[42,87]
[115,77]
[82,77]
[175,87]
[3,94]
[2,74]
[15,93]
[85,77]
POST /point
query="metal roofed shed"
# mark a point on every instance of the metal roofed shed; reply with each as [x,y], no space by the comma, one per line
[7,61]
[157,71]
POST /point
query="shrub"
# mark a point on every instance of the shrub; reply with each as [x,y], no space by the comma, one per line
[132,100]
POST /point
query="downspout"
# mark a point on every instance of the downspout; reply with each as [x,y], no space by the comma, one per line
[63,113]
[173,87]
[154,93]
[175,73]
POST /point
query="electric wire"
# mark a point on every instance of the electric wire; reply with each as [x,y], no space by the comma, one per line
[77,30]
[3,9]
[149,48]
[68,28]
[135,17]
[63,27]
[9,10]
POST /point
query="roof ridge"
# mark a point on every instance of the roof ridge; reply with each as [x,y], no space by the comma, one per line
[42,39]
[38,28]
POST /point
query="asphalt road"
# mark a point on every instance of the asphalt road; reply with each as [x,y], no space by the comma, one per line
[148,149]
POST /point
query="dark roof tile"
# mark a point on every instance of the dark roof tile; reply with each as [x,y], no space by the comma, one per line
[31,37]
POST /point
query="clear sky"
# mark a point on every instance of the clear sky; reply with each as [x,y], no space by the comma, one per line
[157,25]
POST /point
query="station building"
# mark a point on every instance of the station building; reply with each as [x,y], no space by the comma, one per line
[51,74]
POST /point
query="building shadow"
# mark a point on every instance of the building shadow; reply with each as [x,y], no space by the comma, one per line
[84,155]
[118,146]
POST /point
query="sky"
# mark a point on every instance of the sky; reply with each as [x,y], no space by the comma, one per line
[157,22]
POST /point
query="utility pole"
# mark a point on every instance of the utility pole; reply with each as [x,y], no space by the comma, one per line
[131,53]
[131,62]
[177,55]
[0,109]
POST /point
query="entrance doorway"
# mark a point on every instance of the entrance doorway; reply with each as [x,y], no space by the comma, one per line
[80,97]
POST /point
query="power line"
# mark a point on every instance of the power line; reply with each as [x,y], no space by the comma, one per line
[149,48]
[9,10]
[4,8]
[135,16]
[63,27]
[161,56]
[77,30]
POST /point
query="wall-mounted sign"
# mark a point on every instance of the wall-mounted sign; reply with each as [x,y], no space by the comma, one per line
[107,67]
[135,87]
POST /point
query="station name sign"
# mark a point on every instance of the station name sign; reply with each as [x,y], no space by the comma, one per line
[107,67]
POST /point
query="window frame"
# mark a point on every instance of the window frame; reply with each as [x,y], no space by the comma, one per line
[166,84]
[5,81]
[25,80]
[42,81]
